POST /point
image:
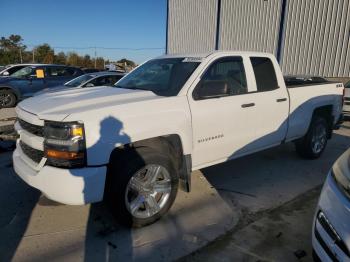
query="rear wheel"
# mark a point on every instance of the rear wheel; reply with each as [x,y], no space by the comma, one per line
[7,98]
[312,145]
[142,188]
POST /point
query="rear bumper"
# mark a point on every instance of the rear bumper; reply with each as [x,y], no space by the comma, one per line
[68,186]
[331,235]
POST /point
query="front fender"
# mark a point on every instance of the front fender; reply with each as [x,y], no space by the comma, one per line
[125,125]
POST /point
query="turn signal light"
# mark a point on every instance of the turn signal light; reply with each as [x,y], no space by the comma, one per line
[63,154]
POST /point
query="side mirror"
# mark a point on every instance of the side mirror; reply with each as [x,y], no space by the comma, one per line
[6,73]
[212,89]
[89,85]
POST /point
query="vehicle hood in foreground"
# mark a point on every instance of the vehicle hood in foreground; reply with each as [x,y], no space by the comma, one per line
[57,106]
[54,89]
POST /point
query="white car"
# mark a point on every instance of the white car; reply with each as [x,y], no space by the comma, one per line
[135,144]
[331,230]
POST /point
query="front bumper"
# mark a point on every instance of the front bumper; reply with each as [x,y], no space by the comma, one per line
[68,186]
[331,236]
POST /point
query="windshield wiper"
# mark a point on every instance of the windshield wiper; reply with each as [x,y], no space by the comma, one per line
[133,88]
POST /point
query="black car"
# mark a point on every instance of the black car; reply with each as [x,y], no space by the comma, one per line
[31,79]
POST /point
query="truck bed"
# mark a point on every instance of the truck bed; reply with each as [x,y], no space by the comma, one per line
[299,81]
[305,98]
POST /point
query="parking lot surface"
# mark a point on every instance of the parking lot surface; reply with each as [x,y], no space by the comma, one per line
[231,206]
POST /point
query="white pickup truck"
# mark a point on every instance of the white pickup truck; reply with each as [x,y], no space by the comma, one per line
[134,144]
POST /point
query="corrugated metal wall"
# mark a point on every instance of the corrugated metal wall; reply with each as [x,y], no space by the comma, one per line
[317,38]
[191,26]
[251,25]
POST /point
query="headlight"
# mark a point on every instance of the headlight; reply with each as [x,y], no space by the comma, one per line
[342,181]
[64,144]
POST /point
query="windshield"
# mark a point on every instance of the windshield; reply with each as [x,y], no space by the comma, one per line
[164,77]
[79,80]
[24,72]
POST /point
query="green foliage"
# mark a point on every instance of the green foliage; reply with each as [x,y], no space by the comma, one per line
[12,50]
[128,62]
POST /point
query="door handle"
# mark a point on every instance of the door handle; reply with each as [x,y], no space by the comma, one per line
[281,100]
[248,105]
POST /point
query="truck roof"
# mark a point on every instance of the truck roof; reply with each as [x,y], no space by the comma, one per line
[204,55]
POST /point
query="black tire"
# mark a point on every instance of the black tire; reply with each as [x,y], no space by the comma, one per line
[306,147]
[7,98]
[121,169]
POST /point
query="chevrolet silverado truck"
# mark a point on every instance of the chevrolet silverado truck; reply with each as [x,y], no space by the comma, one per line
[133,145]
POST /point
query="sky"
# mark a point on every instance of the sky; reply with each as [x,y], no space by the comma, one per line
[133,24]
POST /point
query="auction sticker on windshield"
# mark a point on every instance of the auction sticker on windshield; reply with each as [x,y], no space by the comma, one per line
[193,59]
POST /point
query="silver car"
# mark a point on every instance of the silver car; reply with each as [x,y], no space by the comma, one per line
[87,80]
[331,230]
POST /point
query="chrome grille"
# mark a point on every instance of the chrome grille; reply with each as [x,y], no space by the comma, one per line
[32,153]
[33,129]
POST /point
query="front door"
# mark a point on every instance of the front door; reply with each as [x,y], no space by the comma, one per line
[223,125]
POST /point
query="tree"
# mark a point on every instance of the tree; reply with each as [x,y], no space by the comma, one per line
[100,63]
[60,58]
[11,49]
[44,54]
[72,59]
[128,63]
[87,62]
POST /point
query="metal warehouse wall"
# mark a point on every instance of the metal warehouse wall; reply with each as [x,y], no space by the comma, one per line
[191,26]
[317,38]
[249,25]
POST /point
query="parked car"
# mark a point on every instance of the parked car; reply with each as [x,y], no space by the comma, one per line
[346,107]
[135,144]
[87,80]
[31,79]
[331,229]
[10,69]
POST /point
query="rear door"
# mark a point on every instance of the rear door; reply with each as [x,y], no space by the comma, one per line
[223,126]
[59,75]
[271,102]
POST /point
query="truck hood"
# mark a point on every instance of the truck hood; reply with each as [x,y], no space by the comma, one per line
[57,106]
[54,89]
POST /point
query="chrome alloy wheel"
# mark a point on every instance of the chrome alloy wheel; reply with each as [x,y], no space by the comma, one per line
[148,191]
[319,139]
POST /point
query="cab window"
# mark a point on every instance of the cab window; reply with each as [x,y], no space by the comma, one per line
[264,72]
[225,77]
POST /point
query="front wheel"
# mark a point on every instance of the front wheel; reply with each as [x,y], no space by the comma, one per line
[7,98]
[142,188]
[312,145]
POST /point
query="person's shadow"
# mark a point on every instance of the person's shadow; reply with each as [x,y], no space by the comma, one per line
[105,239]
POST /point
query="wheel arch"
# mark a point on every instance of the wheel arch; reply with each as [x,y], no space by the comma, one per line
[171,145]
[326,112]
[15,92]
